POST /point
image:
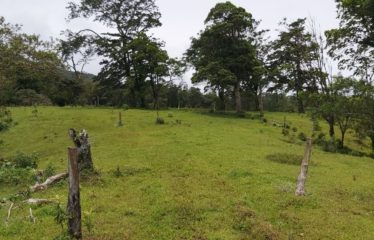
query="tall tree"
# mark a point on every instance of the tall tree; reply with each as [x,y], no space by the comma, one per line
[365,108]
[223,54]
[291,57]
[128,21]
[322,101]
[352,44]
[150,62]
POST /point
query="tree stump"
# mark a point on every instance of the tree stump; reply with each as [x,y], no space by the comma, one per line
[82,142]
[74,206]
[300,189]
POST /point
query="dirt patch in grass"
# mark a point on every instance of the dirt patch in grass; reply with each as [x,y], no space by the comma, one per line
[285,158]
[253,227]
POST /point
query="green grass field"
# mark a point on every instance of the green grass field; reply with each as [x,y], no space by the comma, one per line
[207,178]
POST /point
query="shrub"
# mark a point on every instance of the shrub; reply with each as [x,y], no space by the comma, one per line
[285,132]
[22,160]
[321,138]
[240,114]
[34,112]
[316,126]
[16,176]
[330,145]
[49,171]
[30,97]
[18,171]
[170,114]
[125,107]
[264,120]
[5,119]
[302,136]
[294,129]
[160,121]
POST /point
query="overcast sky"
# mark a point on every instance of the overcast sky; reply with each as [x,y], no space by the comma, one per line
[181,19]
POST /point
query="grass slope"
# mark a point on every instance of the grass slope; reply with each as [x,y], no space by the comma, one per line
[207,178]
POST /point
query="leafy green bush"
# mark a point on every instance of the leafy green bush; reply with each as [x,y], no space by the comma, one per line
[321,138]
[16,176]
[22,160]
[330,145]
[19,171]
[125,107]
[34,111]
[302,136]
[316,126]
[5,119]
[170,115]
[285,132]
[160,121]
[49,171]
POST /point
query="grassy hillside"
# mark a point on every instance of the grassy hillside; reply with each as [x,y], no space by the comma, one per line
[210,177]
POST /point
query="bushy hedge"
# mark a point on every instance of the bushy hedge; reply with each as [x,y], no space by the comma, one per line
[20,170]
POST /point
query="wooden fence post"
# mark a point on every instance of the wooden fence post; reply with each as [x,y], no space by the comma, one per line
[300,189]
[120,124]
[82,142]
[74,206]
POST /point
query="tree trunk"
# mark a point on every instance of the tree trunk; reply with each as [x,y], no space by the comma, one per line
[342,139]
[82,142]
[120,123]
[74,206]
[300,104]
[142,102]
[238,101]
[371,136]
[331,128]
[221,95]
[300,189]
[261,104]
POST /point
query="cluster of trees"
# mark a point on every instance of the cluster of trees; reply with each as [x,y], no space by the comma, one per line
[234,57]
[241,68]
[32,71]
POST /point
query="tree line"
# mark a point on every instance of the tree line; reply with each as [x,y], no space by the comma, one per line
[239,65]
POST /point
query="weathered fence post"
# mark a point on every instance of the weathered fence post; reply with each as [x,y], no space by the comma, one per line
[74,206]
[120,123]
[300,189]
[82,142]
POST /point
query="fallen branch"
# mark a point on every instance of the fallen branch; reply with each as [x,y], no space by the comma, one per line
[9,211]
[35,201]
[48,182]
[32,218]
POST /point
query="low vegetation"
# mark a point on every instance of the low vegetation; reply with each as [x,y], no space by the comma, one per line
[209,177]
